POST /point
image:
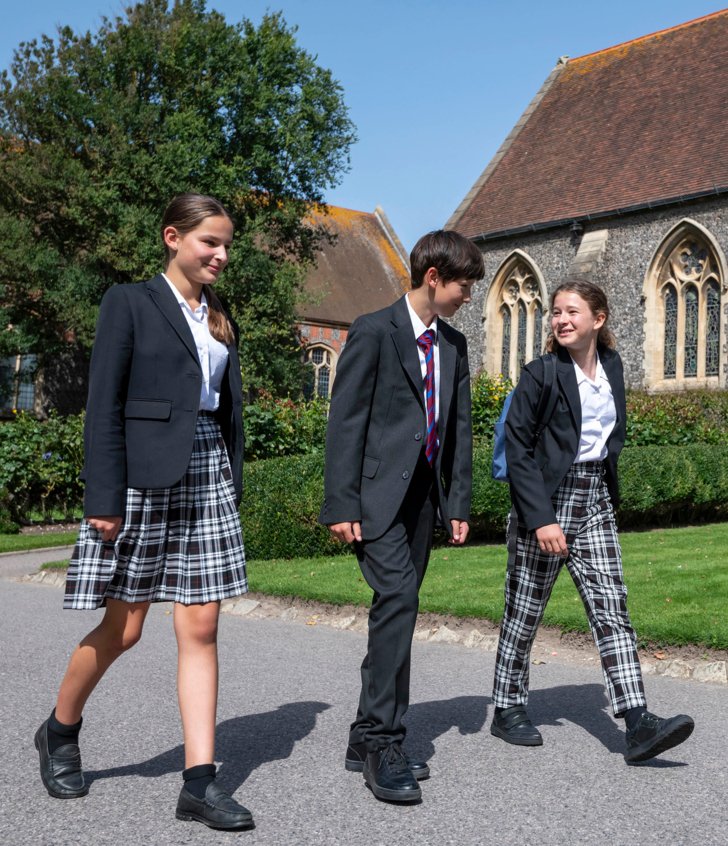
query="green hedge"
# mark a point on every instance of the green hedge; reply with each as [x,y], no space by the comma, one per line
[659,485]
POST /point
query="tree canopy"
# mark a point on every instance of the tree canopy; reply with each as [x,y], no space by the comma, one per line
[99,130]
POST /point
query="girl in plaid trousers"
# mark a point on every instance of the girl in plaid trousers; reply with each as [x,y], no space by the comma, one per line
[564,489]
[163,479]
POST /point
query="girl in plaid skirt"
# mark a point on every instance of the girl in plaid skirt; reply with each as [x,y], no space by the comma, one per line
[163,481]
[564,489]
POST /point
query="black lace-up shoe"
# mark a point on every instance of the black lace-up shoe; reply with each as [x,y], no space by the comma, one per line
[653,735]
[356,754]
[216,810]
[61,770]
[388,777]
[514,726]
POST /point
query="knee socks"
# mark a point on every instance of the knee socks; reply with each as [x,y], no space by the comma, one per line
[60,734]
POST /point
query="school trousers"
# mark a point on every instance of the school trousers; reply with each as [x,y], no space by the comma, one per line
[394,566]
[584,512]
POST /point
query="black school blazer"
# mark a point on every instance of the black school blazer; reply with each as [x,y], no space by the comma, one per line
[536,471]
[377,423]
[144,394]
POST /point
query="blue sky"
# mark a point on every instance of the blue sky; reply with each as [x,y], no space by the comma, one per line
[433,87]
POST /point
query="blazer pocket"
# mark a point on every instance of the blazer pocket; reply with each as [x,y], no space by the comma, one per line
[369,467]
[148,409]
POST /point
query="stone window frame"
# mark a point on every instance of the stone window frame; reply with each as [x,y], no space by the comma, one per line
[509,288]
[656,281]
[333,358]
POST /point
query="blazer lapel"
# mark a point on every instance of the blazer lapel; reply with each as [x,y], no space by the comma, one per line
[448,362]
[616,382]
[567,379]
[404,341]
[165,301]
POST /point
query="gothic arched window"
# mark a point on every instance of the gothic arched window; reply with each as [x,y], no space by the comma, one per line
[514,316]
[684,299]
[319,379]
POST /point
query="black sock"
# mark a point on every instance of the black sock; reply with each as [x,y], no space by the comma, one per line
[59,734]
[197,779]
[632,716]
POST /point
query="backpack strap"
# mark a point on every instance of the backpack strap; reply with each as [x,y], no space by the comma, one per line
[549,395]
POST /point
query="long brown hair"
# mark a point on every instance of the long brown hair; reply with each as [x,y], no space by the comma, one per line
[595,298]
[185,212]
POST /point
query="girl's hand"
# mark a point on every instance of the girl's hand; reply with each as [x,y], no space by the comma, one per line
[551,539]
[108,526]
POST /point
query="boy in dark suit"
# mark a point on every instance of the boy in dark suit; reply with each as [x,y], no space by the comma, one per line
[398,452]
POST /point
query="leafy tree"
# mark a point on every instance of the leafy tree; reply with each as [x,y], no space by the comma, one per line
[99,130]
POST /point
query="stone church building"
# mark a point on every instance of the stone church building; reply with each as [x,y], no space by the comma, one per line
[616,172]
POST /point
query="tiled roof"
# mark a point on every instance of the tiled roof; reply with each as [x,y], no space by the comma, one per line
[365,269]
[639,123]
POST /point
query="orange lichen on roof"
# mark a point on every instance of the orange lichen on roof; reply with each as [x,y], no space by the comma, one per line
[607,134]
[624,45]
[361,271]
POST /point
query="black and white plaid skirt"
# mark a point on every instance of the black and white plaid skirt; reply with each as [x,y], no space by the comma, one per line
[179,544]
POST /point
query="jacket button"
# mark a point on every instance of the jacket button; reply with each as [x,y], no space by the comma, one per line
[405,475]
[418,436]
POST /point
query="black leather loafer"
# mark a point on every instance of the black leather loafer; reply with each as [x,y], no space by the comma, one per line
[356,755]
[216,810]
[514,726]
[387,775]
[61,770]
[653,735]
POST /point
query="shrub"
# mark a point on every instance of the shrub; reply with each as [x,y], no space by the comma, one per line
[275,427]
[39,466]
[488,395]
[281,502]
[660,486]
[681,418]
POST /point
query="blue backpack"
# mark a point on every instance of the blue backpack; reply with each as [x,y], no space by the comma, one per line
[546,406]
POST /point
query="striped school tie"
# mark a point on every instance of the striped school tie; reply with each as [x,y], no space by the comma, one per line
[425,343]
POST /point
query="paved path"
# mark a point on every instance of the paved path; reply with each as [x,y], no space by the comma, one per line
[287,695]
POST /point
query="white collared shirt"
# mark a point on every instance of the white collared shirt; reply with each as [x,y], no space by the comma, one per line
[598,414]
[419,327]
[212,354]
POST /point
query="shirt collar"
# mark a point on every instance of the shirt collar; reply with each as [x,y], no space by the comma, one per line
[417,325]
[581,377]
[183,302]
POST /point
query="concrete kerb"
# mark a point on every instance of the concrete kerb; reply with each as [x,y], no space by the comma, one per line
[431,628]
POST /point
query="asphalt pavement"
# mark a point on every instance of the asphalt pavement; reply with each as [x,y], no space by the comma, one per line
[288,692]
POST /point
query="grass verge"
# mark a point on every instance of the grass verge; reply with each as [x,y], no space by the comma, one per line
[21,543]
[677,581]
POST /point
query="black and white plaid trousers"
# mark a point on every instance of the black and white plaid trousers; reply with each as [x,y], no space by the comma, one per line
[584,512]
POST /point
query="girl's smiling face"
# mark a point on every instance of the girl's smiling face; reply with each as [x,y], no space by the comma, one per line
[202,253]
[574,324]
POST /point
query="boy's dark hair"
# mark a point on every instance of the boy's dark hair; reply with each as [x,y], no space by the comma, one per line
[451,254]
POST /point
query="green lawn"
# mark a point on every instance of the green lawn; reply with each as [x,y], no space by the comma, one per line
[677,580]
[19,543]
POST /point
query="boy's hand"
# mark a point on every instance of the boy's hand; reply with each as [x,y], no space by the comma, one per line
[460,531]
[551,539]
[346,532]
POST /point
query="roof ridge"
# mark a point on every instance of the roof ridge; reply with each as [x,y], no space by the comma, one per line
[649,35]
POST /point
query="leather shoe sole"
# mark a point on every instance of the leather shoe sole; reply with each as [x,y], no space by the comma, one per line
[674,732]
[217,810]
[67,765]
[390,794]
